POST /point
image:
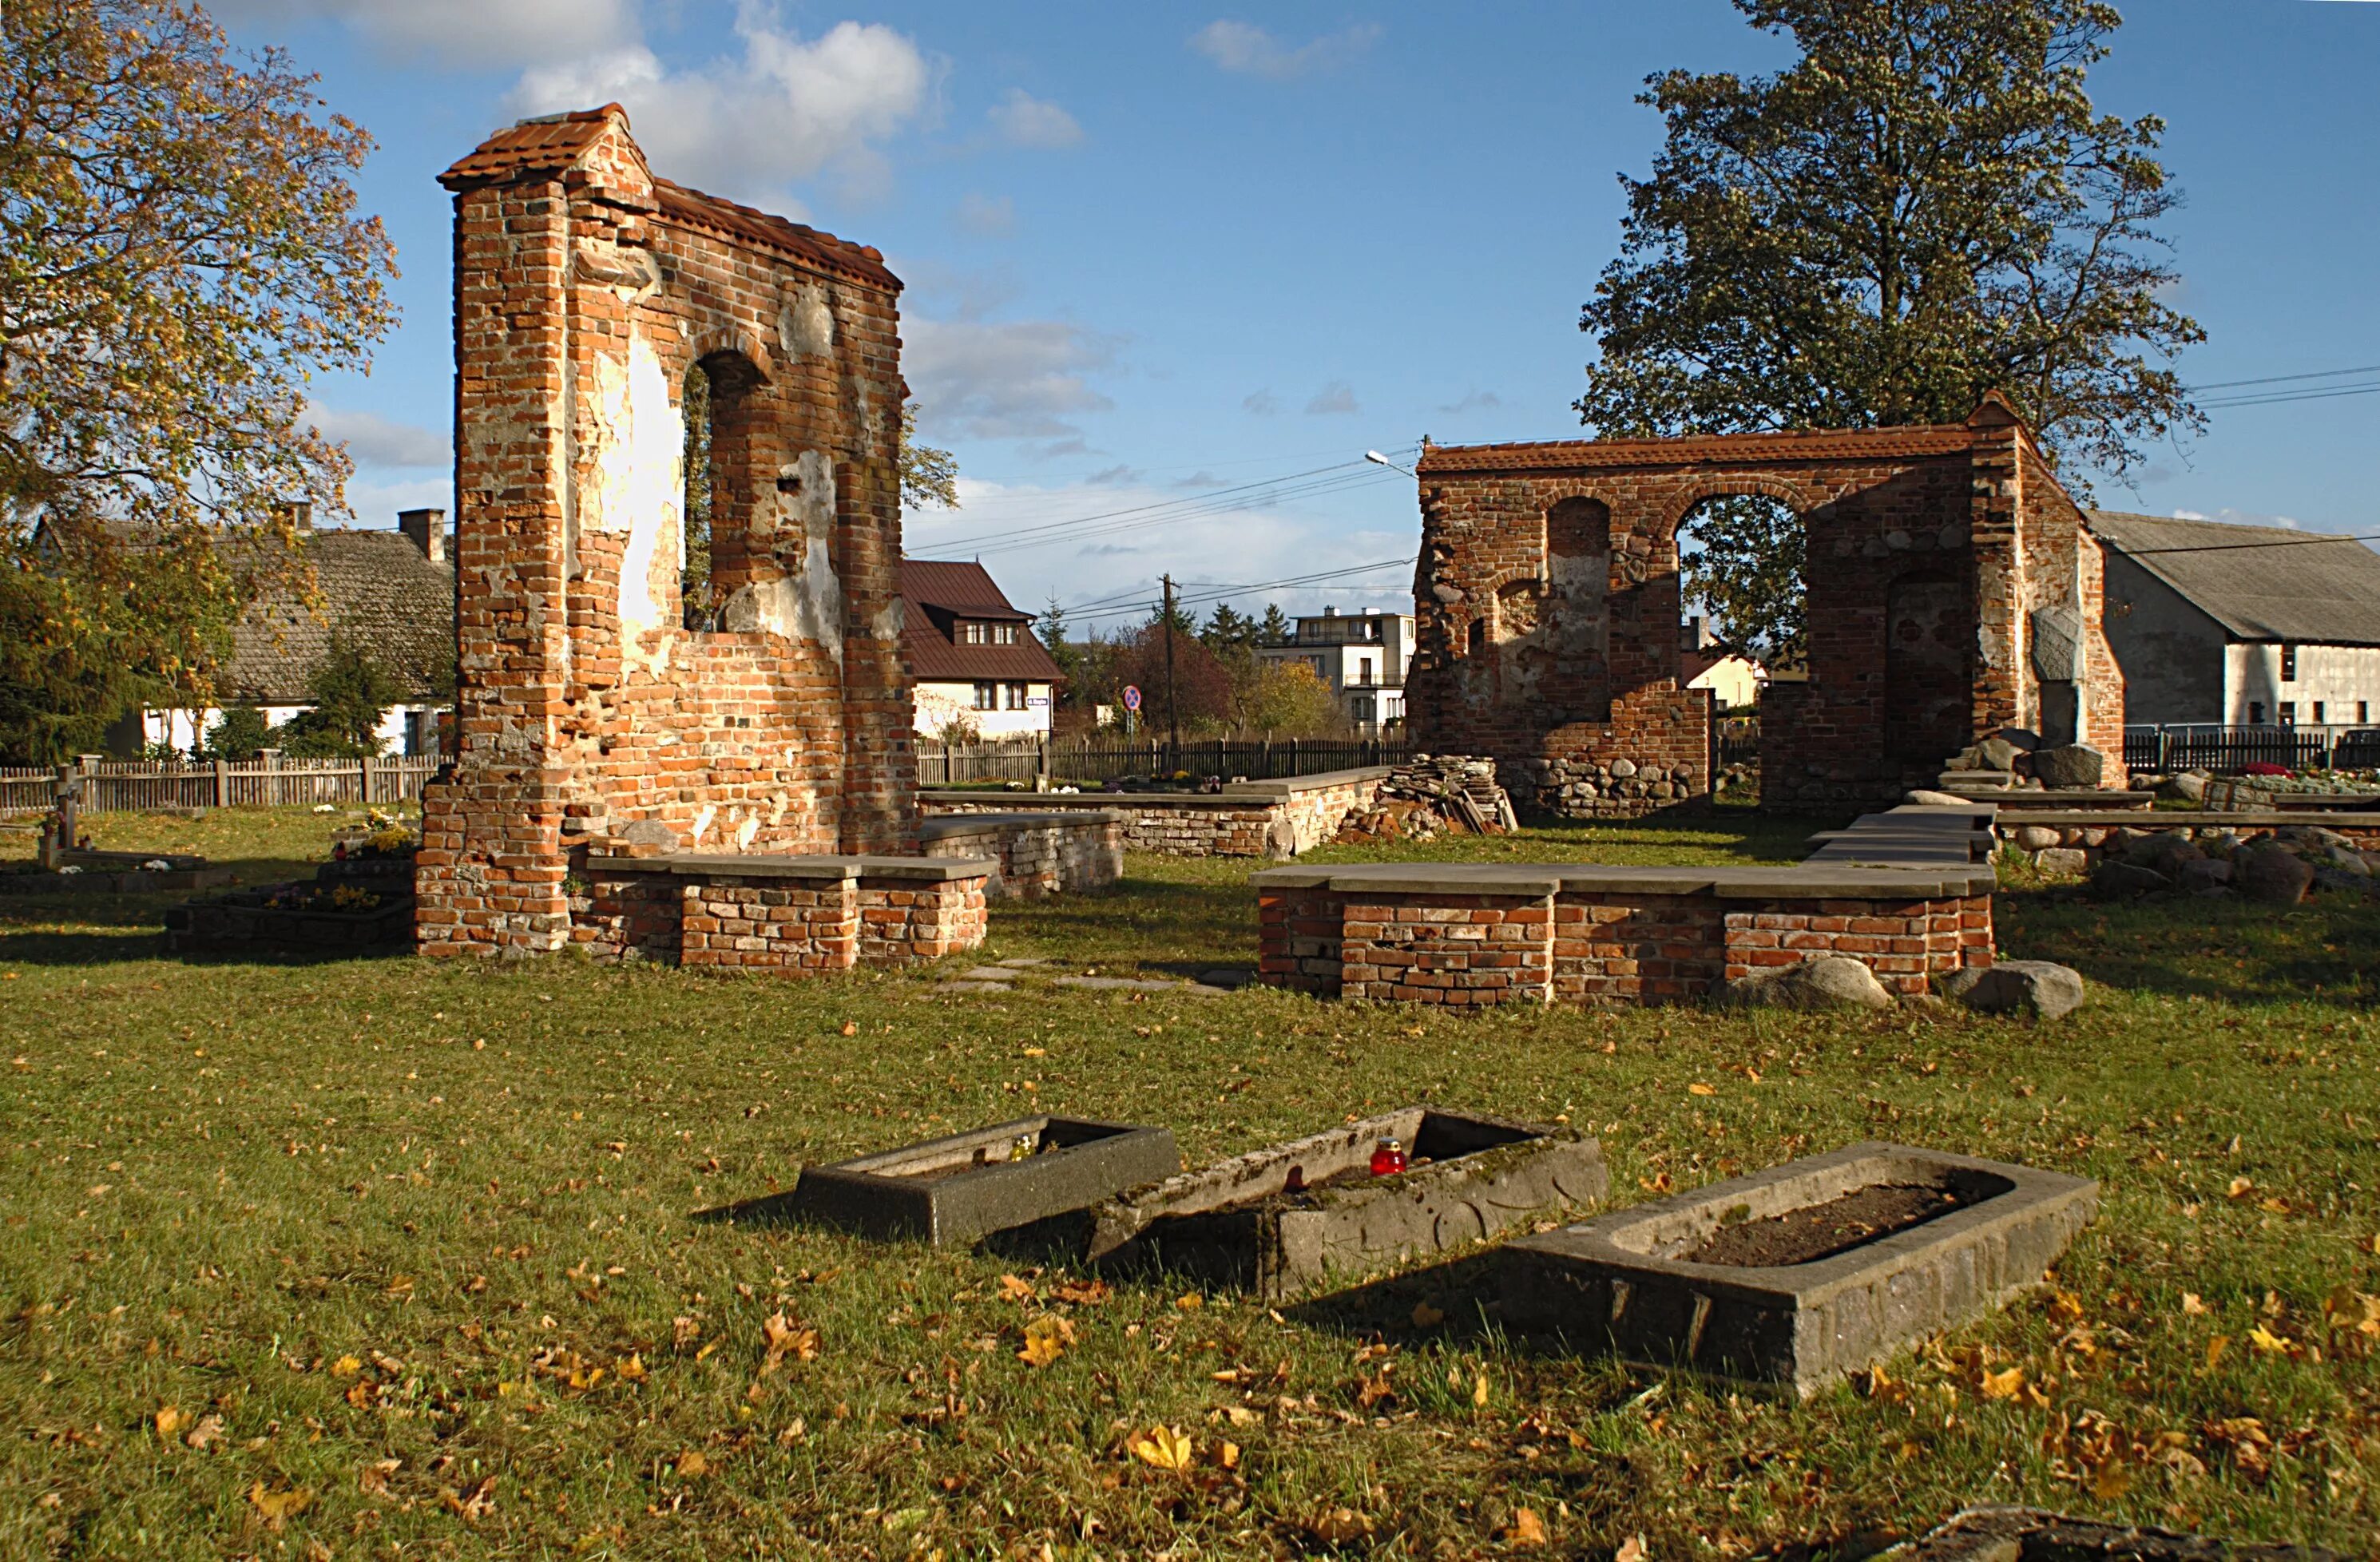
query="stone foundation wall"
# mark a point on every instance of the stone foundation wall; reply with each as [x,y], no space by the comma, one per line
[2034,830]
[1274,819]
[1038,853]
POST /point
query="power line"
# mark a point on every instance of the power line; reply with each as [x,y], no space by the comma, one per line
[1275,496]
[1218,593]
[2284,378]
[1143,509]
[2278,398]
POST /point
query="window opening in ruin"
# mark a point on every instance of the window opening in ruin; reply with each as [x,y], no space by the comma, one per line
[695,584]
[1741,558]
[1478,645]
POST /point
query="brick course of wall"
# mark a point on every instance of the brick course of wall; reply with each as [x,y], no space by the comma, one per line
[825,919]
[1547,599]
[586,289]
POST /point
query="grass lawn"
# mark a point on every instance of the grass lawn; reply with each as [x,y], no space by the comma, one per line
[386,1258]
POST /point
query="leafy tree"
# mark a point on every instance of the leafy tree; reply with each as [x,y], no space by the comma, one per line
[1922,208]
[693,510]
[240,732]
[930,477]
[1291,698]
[1201,683]
[1742,558]
[1275,629]
[352,690]
[179,254]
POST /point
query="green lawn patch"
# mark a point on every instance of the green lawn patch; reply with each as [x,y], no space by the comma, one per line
[404,1256]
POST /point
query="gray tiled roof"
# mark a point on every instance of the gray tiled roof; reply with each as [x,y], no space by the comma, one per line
[2260,583]
[375,586]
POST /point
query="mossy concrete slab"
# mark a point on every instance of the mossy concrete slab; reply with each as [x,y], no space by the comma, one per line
[969,1185]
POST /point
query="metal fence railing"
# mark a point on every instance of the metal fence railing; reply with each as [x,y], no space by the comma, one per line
[148,786]
[1097,760]
[2206,746]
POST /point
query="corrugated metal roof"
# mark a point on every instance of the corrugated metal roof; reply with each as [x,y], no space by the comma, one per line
[938,595]
[2260,583]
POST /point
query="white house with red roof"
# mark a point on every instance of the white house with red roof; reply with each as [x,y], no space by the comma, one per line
[973,660]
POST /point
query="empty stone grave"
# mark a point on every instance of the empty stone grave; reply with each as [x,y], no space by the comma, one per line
[2025,1535]
[971,1184]
[1281,1218]
[1794,1275]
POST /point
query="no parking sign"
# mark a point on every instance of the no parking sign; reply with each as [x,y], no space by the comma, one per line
[1132,696]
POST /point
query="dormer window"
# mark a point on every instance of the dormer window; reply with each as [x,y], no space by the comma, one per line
[971,634]
[1003,635]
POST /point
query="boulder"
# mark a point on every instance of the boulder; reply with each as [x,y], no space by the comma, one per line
[651,832]
[2207,873]
[2066,862]
[2024,738]
[1830,981]
[1623,769]
[2348,860]
[2068,767]
[2038,988]
[1992,754]
[1924,799]
[2115,880]
[2188,787]
[2272,874]
[2035,837]
[2334,881]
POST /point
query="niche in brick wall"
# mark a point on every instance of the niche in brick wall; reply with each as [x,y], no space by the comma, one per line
[1928,631]
[724,414]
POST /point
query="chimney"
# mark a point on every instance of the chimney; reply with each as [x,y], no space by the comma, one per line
[301,514]
[1331,613]
[428,529]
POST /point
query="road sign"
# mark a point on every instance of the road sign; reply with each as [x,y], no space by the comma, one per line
[1132,696]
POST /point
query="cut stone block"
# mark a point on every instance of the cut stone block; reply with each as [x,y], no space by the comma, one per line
[2026,1534]
[969,1185]
[1281,1218]
[1867,1280]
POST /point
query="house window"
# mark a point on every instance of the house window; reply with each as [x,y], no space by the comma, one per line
[2363,711]
[2288,708]
[2289,664]
[2255,713]
[1363,672]
[1005,634]
[1015,697]
[2318,720]
[971,634]
[986,697]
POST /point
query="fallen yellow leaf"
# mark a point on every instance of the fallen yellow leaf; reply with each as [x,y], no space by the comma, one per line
[787,1337]
[1528,1530]
[2215,1349]
[1698,1088]
[2267,1342]
[1190,1302]
[1162,1446]
[1013,1288]
[1227,1453]
[1046,1338]
[2191,1304]
[346,1366]
[277,1508]
[2242,1187]
[1632,1549]
[633,1369]
[169,1420]
[1479,1392]
[2003,1385]
[2110,1481]
[1036,1052]
[210,1429]
[692,1463]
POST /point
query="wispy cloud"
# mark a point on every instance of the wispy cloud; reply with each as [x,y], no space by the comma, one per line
[1014,380]
[1335,400]
[1023,120]
[374,441]
[986,215]
[500,34]
[1264,404]
[1246,49]
[1477,401]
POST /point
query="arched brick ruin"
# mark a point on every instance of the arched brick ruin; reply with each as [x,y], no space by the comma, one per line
[586,287]
[1953,589]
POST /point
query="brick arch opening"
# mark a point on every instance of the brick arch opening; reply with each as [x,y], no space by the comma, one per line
[1750,541]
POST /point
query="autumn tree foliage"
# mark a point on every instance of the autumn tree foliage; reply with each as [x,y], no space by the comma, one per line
[179,254]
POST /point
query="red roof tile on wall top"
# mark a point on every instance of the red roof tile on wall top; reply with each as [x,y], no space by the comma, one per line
[691,206]
[553,142]
[1826,444]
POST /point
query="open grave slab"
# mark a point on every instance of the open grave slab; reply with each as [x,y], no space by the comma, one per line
[2025,1535]
[970,1185]
[1281,1218]
[1794,1275]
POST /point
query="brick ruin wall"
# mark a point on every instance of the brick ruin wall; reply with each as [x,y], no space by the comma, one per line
[760,921]
[1264,824]
[1576,948]
[585,290]
[1038,854]
[1547,596]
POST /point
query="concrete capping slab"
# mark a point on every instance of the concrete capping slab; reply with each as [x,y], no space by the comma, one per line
[1293,878]
[1052,802]
[2029,1534]
[976,1189]
[1290,786]
[1236,1223]
[2176,819]
[1800,1326]
[725,864]
[942,827]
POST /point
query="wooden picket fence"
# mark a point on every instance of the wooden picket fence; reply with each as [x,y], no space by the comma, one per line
[151,786]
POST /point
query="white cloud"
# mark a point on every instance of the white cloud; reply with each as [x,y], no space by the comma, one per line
[989,217]
[1015,379]
[785,109]
[2242,519]
[375,505]
[1023,120]
[1264,404]
[491,35]
[374,441]
[1336,399]
[1248,50]
[1477,401]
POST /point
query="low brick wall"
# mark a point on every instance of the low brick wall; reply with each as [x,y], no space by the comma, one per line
[791,915]
[1038,853]
[1900,892]
[1269,819]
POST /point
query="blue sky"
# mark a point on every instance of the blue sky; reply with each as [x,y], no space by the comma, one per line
[1156,252]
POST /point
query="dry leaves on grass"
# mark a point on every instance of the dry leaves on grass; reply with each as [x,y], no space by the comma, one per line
[471,1504]
[1339,1526]
[1046,1338]
[1528,1531]
[1163,1447]
[277,1508]
[786,1336]
[1017,1288]
[1084,1293]
[372,1479]
[168,1421]
[1632,1549]
[205,1435]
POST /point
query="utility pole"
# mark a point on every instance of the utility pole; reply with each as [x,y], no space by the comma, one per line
[1173,706]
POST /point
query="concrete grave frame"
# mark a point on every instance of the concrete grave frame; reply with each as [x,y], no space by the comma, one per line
[962,1188]
[1801,1327]
[1547,599]
[586,288]
[1236,1223]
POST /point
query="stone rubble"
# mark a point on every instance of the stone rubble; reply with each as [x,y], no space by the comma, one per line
[1431,795]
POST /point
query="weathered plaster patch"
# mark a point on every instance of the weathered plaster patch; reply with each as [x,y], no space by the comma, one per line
[807,602]
[639,438]
[806,325]
[889,621]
